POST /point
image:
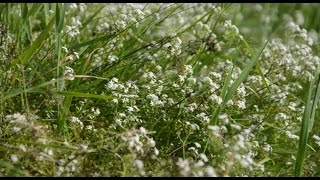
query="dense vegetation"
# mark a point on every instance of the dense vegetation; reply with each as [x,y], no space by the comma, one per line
[159,90]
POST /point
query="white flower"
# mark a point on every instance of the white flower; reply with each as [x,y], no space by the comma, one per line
[292,136]
[16,117]
[143,131]
[184,166]
[156,151]
[14,158]
[22,148]
[215,99]
[112,59]
[49,152]
[16,129]
[224,118]
[207,80]
[68,71]
[215,130]
[244,163]
[83,147]
[236,126]
[316,137]
[197,144]
[267,148]
[241,104]
[96,111]
[216,75]
[230,30]
[65,49]
[210,171]
[139,164]
[115,101]
[203,157]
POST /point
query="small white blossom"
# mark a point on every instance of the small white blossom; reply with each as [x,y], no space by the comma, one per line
[14,158]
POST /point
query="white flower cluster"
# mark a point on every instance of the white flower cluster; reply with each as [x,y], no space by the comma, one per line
[68,72]
[20,121]
[154,100]
[140,142]
[74,6]
[295,59]
[17,117]
[202,29]
[76,120]
[317,139]
[173,47]
[74,28]
[230,29]
[112,58]
[189,167]
[298,32]
[67,168]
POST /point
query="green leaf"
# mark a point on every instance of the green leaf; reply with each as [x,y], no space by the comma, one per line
[315,103]
[244,74]
[25,55]
[222,95]
[304,132]
[83,95]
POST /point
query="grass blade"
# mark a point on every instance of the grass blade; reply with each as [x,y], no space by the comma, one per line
[14,170]
[31,89]
[83,95]
[25,55]
[222,95]
[315,103]
[257,65]
[244,74]
[307,119]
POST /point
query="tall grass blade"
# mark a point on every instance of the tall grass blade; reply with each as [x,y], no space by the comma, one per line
[315,102]
[83,95]
[25,55]
[244,74]
[304,132]
[222,95]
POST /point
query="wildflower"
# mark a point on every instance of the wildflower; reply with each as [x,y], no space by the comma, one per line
[65,49]
[68,72]
[292,136]
[72,31]
[115,101]
[16,117]
[230,30]
[216,99]
[83,147]
[203,157]
[143,131]
[215,130]
[317,138]
[16,129]
[241,104]
[156,151]
[76,120]
[139,164]
[236,126]
[22,148]
[267,148]
[96,111]
[14,158]
[112,59]
[184,166]
[224,118]
[210,171]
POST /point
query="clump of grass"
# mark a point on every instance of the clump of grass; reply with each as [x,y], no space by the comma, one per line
[158,90]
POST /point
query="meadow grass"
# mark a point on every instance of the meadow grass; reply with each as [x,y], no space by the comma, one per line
[159,89]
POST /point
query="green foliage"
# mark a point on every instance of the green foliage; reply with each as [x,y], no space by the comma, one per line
[159,89]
